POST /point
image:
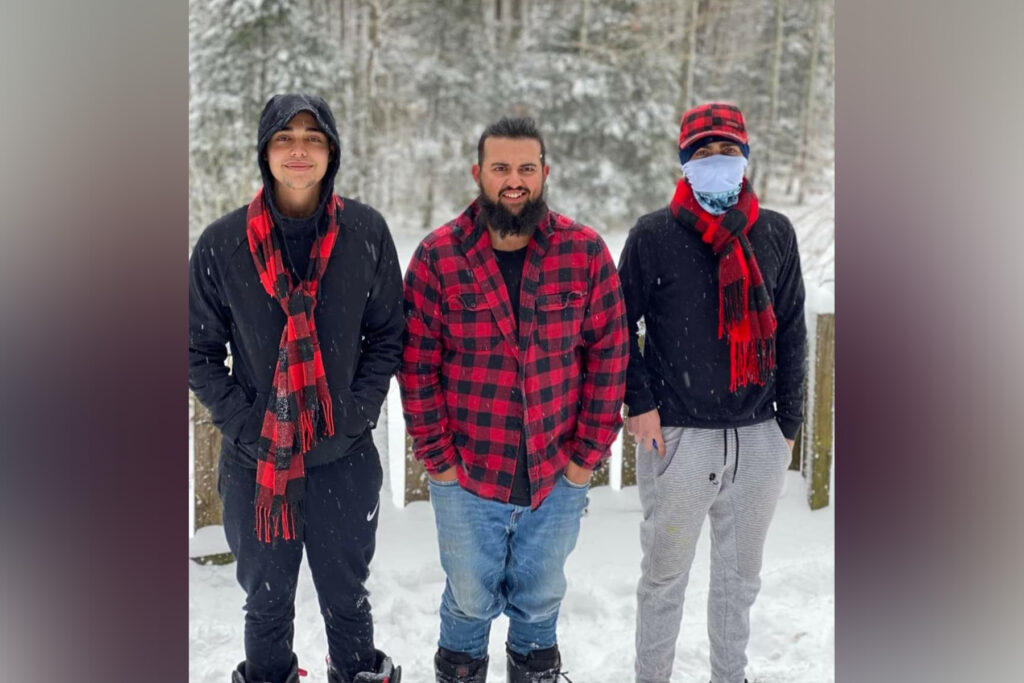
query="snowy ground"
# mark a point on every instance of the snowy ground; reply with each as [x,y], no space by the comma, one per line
[792,623]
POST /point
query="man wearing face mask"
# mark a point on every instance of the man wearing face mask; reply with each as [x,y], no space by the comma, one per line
[512,381]
[716,397]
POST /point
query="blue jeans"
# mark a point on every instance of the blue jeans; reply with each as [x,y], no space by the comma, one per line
[500,557]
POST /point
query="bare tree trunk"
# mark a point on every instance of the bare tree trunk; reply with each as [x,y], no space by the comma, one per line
[830,71]
[502,10]
[387,112]
[584,21]
[373,105]
[487,10]
[261,86]
[803,165]
[360,120]
[428,205]
[373,36]
[772,132]
[678,41]
[514,19]
[686,97]
[344,17]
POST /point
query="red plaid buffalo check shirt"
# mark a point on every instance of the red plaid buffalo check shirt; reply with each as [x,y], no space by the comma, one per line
[471,381]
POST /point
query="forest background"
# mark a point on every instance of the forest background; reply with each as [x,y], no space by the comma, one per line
[413,83]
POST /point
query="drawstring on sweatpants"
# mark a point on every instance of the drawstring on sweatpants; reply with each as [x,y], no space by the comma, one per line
[737,468]
[725,450]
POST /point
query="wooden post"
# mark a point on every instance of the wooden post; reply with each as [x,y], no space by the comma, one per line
[628,442]
[602,477]
[205,457]
[415,476]
[818,464]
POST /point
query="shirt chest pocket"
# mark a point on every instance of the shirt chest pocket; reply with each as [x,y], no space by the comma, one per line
[469,324]
[559,320]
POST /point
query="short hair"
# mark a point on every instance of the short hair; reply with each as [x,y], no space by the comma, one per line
[520,127]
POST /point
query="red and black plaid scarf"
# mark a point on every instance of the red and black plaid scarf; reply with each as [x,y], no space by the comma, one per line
[745,312]
[299,408]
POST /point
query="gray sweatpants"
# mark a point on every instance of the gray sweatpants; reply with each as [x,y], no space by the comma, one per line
[733,476]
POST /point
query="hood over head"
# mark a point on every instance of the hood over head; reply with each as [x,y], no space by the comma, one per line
[279,110]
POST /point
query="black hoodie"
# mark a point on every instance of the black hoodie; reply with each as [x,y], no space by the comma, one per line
[358,314]
[299,233]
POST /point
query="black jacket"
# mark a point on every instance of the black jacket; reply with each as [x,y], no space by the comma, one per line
[670,279]
[359,323]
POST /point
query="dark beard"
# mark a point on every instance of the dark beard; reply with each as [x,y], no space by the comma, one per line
[506,223]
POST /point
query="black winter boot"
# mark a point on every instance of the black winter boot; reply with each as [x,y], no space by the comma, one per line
[540,666]
[458,667]
[240,675]
[384,671]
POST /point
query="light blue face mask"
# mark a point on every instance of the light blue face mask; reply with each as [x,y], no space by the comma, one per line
[716,181]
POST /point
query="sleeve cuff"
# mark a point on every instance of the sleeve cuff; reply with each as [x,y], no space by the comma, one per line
[640,403]
[589,458]
[372,421]
[436,464]
[789,426]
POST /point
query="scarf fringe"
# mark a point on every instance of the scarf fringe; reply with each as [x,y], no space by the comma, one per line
[327,407]
[732,306]
[308,422]
[751,362]
[276,521]
[305,430]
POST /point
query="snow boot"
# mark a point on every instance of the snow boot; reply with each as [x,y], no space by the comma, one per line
[458,667]
[540,666]
[384,671]
[239,675]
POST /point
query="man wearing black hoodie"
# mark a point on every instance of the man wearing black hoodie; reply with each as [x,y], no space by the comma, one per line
[716,397]
[304,287]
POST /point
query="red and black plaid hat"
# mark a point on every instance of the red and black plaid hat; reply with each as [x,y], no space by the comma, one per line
[713,118]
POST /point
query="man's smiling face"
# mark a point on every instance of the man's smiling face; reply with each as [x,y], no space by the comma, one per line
[298,154]
[511,173]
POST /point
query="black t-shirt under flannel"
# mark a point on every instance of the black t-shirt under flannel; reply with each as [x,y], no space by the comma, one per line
[511,263]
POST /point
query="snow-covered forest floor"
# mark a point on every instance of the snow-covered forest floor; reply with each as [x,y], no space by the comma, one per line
[792,624]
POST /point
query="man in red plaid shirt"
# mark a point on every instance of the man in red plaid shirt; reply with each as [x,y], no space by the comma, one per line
[512,380]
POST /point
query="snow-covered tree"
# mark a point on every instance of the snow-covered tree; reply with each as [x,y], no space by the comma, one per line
[413,83]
